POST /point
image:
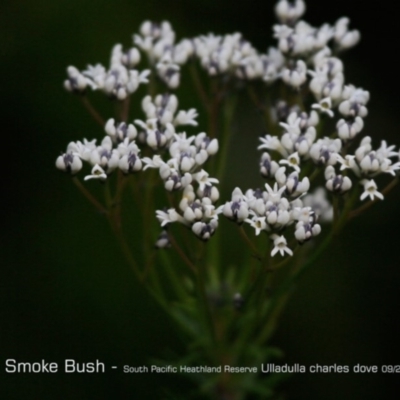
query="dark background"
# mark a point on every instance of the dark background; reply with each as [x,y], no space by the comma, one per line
[65,291]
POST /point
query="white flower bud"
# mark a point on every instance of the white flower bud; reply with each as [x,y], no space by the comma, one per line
[205,230]
[338,183]
[297,76]
[186,163]
[349,129]
[130,163]
[162,241]
[131,58]
[69,162]
[352,109]
[288,12]
[268,167]
[201,157]
[305,231]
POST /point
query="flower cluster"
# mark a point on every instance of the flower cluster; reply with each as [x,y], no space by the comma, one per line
[273,210]
[196,209]
[121,147]
[119,81]
[118,149]
[305,58]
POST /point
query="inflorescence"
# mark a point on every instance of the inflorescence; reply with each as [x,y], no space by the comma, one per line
[305,60]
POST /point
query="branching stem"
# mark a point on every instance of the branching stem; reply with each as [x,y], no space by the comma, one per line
[92,111]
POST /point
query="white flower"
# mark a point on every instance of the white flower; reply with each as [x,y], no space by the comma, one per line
[203,179]
[131,58]
[162,241]
[158,138]
[296,76]
[97,173]
[237,209]
[130,162]
[162,107]
[358,95]
[325,151]
[370,163]
[352,109]
[319,204]
[205,230]
[324,106]
[96,75]
[293,124]
[275,194]
[305,214]
[349,162]
[194,211]
[258,223]
[120,131]
[343,37]
[69,162]
[272,143]
[296,187]
[166,217]
[288,12]
[348,129]
[169,72]
[76,81]
[186,117]
[276,215]
[82,150]
[304,142]
[280,245]
[292,161]
[268,167]
[305,231]
[370,189]
[292,184]
[119,82]
[203,142]
[173,180]
[155,162]
[105,155]
[336,183]
[210,192]
[188,196]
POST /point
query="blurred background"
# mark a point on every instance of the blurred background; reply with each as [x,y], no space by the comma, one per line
[65,289]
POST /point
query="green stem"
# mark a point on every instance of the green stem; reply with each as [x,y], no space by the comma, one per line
[117,201]
[107,195]
[199,86]
[114,205]
[92,111]
[215,245]
[89,196]
[229,110]
[207,314]
[263,108]
[172,274]
[343,218]
[182,255]
[126,250]
[249,243]
[125,109]
[152,86]
[285,289]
